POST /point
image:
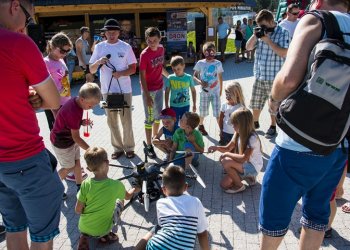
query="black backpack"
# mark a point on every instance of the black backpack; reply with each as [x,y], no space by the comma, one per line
[316,115]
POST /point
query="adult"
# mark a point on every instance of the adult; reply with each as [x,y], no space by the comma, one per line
[293,171]
[290,22]
[244,40]
[224,31]
[28,182]
[128,36]
[115,78]
[249,31]
[83,52]
[238,40]
[271,49]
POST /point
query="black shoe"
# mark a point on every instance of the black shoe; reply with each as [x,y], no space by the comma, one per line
[328,234]
[271,132]
[150,152]
[64,196]
[2,229]
[256,125]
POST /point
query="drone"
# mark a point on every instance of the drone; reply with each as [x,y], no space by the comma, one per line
[148,176]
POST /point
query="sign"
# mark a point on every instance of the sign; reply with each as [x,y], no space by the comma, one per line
[176,31]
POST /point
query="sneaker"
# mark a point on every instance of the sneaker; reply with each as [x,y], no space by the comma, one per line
[150,152]
[235,191]
[256,125]
[64,196]
[71,177]
[271,132]
[2,229]
[251,180]
[202,130]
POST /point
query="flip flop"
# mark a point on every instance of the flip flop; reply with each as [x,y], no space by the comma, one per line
[130,154]
[116,155]
[109,238]
[346,208]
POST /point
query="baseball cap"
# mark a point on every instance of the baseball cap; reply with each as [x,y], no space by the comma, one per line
[111,24]
[167,113]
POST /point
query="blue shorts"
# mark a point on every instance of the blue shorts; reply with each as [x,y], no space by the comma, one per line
[292,175]
[249,171]
[195,158]
[31,196]
[180,111]
[226,138]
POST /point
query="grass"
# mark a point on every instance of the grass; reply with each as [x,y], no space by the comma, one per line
[230,47]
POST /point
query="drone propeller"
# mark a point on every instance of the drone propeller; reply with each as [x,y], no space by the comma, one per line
[145,196]
[120,166]
[189,152]
[198,177]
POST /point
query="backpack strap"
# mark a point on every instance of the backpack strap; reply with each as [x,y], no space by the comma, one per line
[329,24]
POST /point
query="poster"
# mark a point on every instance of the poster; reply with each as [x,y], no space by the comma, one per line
[176,31]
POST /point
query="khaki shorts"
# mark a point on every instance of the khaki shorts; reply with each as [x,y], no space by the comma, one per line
[67,156]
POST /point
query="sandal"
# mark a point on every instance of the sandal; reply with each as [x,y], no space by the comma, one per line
[109,238]
[116,155]
[83,243]
[130,154]
[346,207]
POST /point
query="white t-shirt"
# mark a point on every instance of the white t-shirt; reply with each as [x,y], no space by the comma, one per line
[181,218]
[289,26]
[121,57]
[208,72]
[228,110]
[256,158]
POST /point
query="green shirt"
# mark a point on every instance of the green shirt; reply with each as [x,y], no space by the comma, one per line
[179,90]
[180,138]
[99,198]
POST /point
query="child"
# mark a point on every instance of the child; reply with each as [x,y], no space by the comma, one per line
[168,117]
[180,216]
[151,70]
[238,40]
[179,84]
[57,49]
[65,138]
[234,100]
[187,138]
[247,160]
[208,74]
[96,200]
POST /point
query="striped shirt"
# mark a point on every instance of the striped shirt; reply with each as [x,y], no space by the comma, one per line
[181,218]
[267,62]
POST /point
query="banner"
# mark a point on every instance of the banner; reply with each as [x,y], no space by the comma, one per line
[176,31]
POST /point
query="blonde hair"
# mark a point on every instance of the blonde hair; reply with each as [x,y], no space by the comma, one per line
[90,90]
[243,119]
[209,45]
[58,41]
[235,90]
[95,157]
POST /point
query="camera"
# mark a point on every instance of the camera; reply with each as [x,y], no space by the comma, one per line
[261,31]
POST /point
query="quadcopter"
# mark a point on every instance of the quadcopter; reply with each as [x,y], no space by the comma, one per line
[148,176]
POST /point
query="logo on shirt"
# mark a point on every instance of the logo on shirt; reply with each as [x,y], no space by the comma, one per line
[157,61]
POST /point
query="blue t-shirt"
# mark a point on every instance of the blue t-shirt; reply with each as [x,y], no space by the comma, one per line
[208,72]
[222,30]
[169,134]
[179,89]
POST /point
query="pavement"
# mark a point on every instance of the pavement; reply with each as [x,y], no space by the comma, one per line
[233,219]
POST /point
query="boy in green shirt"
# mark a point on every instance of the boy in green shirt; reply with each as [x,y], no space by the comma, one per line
[187,138]
[96,200]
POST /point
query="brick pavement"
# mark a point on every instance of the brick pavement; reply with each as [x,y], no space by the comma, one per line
[233,219]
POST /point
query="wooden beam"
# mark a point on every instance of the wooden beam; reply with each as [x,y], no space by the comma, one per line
[137,25]
[210,17]
[87,19]
[204,10]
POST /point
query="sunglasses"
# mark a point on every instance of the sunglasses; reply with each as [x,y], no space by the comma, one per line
[63,51]
[209,53]
[29,18]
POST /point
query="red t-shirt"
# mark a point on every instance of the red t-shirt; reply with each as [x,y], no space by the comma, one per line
[152,62]
[22,66]
[68,117]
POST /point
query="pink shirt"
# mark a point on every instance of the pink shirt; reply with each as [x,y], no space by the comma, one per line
[152,62]
[22,66]
[59,73]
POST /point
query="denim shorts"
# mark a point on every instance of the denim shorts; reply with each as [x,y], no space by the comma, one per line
[31,196]
[291,175]
[195,158]
[152,113]
[180,111]
[249,171]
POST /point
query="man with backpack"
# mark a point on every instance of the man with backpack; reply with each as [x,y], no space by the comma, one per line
[295,170]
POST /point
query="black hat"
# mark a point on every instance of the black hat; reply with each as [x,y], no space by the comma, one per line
[111,24]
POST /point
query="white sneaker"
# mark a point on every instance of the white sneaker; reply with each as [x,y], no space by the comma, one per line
[235,191]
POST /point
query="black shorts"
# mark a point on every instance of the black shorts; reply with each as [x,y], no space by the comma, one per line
[244,42]
[87,70]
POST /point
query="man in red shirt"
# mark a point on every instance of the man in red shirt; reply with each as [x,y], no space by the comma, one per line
[30,189]
[151,71]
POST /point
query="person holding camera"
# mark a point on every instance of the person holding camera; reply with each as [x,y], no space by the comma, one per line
[116,61]
[271,42]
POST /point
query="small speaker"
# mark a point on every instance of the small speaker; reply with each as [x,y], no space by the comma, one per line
[36,32]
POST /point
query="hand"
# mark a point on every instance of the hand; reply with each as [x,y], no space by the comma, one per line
[149,101]
[212,149]
[273,106]
[103,60]
[116,74]
[204,84]
[266,39]
[226,154]
[191,138]
[34,99]
[194,109]
[168,143]
[87,122]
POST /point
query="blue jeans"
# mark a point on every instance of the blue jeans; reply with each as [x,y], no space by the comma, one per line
[31,195]
[180,111]
[291,175]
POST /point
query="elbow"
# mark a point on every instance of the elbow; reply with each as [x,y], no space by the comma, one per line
[92,69]
[133,69]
